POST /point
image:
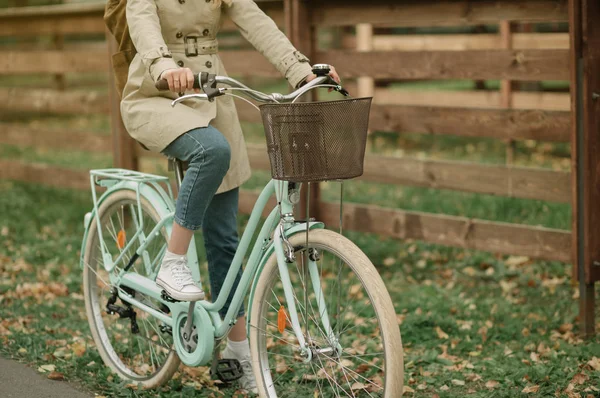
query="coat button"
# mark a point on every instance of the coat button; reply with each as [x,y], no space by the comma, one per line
[179,35]
[180,63]
[205,32]
[208,64]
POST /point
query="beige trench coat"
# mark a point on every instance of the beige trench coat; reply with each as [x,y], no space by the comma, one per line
[160,30]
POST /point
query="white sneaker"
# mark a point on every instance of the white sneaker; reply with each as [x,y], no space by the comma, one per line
[247,382]
[176,278]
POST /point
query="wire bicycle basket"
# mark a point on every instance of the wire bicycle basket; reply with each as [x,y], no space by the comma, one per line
[317,141]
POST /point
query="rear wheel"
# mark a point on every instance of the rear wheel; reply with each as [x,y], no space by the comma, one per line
[137,346]
[359,356]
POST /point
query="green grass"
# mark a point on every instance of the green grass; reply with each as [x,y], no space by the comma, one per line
[496,310]
[509,320]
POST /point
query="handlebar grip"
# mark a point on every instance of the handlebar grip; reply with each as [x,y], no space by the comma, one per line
[163,84]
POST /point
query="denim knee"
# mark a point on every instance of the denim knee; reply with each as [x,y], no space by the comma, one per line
[218,155]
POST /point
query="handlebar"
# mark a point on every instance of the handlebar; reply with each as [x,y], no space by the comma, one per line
[208,83]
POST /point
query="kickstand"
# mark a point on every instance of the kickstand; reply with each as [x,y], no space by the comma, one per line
[215,358]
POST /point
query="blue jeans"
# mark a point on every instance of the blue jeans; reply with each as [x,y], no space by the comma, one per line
[208,154]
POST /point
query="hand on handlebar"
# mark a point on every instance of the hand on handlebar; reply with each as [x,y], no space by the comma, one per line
[333,74]
[180,80]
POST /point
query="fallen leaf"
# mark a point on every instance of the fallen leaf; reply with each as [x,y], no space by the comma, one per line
[458,382]
[565,327]
[594,363]
[514,261]
[389,261]
[444,388]
[534,357]
[408,390]
[580,378]
[78,348]
[47,368]
[22,350]
[440,333]
[492,384]
[56,376]
[531,389]
[358,386]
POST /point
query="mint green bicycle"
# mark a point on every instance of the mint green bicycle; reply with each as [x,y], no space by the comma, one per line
[321,322]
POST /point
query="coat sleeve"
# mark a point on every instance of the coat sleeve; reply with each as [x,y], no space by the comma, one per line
[265,36]
[145,32]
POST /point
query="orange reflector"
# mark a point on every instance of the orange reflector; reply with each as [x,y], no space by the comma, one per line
[281,319]
[121,239]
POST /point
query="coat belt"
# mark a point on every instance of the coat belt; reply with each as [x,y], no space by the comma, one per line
[193,46]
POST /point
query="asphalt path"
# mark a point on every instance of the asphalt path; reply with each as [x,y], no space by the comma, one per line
[18,380]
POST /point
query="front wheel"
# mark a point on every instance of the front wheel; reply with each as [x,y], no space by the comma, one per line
[347,319]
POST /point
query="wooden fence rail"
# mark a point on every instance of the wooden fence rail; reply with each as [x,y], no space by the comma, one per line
[369,58]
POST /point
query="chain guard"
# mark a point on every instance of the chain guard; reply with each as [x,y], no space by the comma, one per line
[196,349]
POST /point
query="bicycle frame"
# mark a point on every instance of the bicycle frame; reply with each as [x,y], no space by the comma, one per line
[279,224]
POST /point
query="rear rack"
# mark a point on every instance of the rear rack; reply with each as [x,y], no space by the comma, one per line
[108,177]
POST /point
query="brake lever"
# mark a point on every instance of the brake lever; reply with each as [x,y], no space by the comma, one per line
[189,96]
[342,91]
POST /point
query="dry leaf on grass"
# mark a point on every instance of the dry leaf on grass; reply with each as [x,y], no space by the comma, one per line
[534,357]
[56,376]
[47,368]
[78,348]
[594,363]
[580,378]
[492,384]
[530,389]
[440,333]
[458,382]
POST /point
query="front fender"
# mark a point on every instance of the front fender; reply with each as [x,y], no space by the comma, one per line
[156,198]
[295,230]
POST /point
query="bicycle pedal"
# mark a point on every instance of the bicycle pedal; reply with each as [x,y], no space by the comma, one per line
[165,296]
[227,370]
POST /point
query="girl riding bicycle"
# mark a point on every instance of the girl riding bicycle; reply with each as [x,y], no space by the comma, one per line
[174,40]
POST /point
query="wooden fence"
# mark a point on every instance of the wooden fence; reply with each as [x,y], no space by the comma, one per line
[368,58]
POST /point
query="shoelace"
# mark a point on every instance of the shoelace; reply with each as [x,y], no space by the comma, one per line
[182,274]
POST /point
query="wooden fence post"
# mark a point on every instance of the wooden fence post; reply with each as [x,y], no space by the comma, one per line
[124,154]
[365,84]
[585,106]
[506,86]
[59,44]
[300,30]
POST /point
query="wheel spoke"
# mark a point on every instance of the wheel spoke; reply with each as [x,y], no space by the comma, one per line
[333,369]
[142,355]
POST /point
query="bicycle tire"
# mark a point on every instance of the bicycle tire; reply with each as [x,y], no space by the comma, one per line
[94,311]
[359,263]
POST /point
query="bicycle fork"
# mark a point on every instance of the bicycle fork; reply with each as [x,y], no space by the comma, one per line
[285,256]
